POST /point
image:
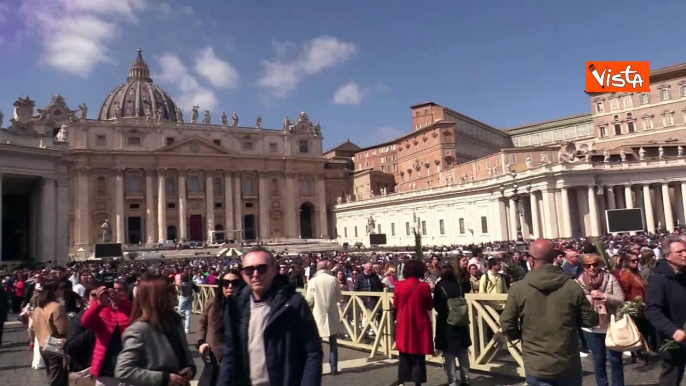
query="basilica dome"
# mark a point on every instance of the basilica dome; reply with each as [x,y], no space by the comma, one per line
[138,97]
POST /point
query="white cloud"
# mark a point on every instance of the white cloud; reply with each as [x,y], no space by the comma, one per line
[281,76]
[219,73]
[75,33]
[167,9]
[350,93]
[191,93]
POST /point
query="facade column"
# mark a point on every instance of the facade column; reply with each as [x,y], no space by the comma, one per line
[161,206]
[629,201]
[48,218]
[610,194]
[683,201]
[228,207]
[513,219]
[149,207]
[566,215]
[593,212]
[320,191]
[238,206]
[292,228]
[62,227]
[264,219]
[669,216]
[550,214]
[648,206]
[535,224]
[119,206]
[181,193]
[503,223]
[209,204]
[82,223]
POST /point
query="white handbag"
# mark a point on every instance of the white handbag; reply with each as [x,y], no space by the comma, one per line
[622,335]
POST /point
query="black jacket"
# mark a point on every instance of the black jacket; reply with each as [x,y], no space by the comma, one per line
[665,300]
[293,348]
[80,344]
[449,338]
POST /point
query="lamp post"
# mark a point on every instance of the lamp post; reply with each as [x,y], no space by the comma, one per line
[516,196]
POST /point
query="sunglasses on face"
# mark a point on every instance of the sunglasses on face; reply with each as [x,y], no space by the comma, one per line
[232,283]
[633,261]
[250,270]
[594,265]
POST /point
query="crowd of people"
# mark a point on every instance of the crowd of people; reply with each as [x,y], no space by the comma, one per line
[127,323]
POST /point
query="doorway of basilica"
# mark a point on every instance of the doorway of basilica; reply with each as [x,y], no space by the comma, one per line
[195,232]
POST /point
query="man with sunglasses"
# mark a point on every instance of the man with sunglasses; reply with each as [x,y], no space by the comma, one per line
[270,335]
[665,308]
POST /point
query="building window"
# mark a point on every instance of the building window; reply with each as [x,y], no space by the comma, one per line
[217,142]
[100,140]
[618,129]
[379,229]
[626,101]
[392,229]
[345,232]
[355,231]
[484,224]
[614,104]
[644,98]
[133,141]
[630,126]
[423,228]
[171,205]
[248,185]
[304,146]
[461,222]
[603,132]
[247,145]
[668,119]
[441,227]
[647,123]
[218,205]
[217,187]
[170,187]
[273,148]
[599,107]
[133,183]
[407,228]
[101,187]
[664,94]
[194,185]
[170,141]
[305,188]
[682,89]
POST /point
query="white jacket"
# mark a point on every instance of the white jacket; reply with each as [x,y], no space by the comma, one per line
[323,292]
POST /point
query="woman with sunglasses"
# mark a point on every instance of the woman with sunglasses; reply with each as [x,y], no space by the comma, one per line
[634,287]
[605,294]
[211,327]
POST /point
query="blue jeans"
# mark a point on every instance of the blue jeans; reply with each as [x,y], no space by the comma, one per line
[185,312]
[333,354]
[599,354]
[568,381]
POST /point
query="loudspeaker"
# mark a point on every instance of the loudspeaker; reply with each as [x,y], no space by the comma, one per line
[108,250]
[624,220]
[377,238]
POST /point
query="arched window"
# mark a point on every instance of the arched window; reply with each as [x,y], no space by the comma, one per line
[275,187]
[217,187]
[194,185]
[170,187]
[171,232]
[305,187]
[101,187]
[133,183]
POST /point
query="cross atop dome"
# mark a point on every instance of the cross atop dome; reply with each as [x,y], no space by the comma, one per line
[139,69]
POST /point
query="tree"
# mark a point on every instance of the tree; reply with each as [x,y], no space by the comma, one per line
[419,254]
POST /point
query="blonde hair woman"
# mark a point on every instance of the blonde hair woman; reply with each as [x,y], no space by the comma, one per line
[390,277]
[605,294]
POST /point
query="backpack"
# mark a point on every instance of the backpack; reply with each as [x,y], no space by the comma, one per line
[458,311]
[622,335]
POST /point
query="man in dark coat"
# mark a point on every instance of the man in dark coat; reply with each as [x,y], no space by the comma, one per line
[270,336]
[665,308]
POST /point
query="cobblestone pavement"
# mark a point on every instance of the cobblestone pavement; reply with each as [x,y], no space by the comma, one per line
[15,367]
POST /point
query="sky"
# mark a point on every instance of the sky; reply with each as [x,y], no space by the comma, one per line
[355,66]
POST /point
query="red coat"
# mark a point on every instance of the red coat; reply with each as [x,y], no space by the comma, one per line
[102,321]
[413,332]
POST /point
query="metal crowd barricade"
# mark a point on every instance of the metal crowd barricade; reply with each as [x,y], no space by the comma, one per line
[374,330]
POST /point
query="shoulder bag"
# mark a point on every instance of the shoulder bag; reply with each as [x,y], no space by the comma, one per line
[52,345]
[458,311]
[622,335]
